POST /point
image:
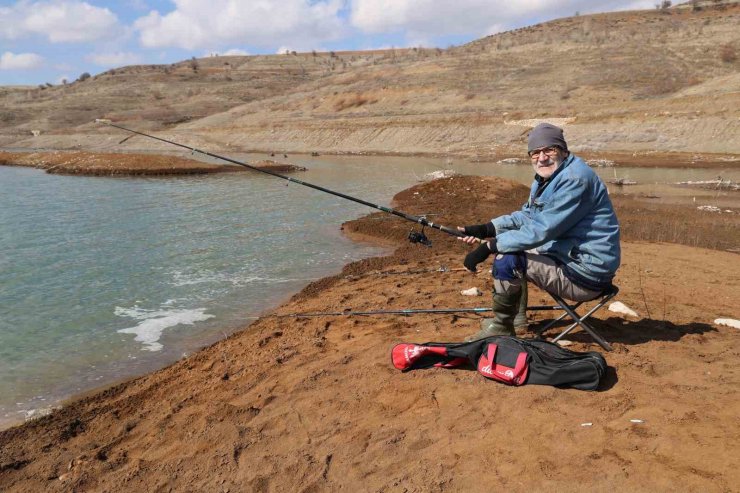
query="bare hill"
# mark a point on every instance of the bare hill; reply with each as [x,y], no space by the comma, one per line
[627,81]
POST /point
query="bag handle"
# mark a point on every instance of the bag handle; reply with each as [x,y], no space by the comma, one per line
[511,375]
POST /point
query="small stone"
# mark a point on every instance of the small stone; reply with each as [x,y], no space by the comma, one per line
[619,307]
[730,322]
[474,291]
[636,421]
[586,425]
[564,342]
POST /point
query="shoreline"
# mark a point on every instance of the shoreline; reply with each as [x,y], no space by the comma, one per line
[154,163]
[124,164]
[316,401]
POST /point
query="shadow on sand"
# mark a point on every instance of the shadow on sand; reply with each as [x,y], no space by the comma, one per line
[620,331]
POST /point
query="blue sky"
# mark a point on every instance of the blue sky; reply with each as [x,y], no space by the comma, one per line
[50,40]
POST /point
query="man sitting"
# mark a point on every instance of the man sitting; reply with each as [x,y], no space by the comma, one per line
[565,239]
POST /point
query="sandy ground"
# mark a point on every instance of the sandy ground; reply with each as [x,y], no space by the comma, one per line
[315,405]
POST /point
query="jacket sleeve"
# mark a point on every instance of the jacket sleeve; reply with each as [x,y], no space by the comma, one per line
[509,221]
[568,204]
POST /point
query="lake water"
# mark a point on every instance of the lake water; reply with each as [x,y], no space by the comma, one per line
[104,278]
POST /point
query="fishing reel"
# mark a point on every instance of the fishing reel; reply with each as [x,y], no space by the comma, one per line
[419,237]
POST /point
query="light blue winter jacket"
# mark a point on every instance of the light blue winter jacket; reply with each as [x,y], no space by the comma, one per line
[572,220]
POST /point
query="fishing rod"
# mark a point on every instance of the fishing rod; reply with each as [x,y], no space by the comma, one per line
[414,236]
[384,273]
[408,311]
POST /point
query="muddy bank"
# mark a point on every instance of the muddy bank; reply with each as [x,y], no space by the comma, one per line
[117,164]
[316,403]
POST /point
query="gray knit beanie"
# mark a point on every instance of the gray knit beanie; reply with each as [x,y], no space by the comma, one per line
[546,135]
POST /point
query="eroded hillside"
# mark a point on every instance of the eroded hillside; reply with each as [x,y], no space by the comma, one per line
[628,81]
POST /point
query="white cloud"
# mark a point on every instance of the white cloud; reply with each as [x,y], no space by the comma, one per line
[198,24]
[114,59]
[434,18]
[61,21]
[234,52]
[20,61]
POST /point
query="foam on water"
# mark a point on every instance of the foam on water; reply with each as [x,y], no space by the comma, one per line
[154,322]
[180,279]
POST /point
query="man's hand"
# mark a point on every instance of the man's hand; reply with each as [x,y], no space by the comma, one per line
[475,233]
[482,231]
[477,256]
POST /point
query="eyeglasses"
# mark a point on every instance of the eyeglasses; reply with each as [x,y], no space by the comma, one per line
[550,151]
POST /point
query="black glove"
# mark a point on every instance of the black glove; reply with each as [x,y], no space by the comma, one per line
[476,257]
[481,231]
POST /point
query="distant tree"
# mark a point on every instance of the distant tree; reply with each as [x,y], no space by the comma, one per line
[83,77]
[194,64]
[49,84]
[64,82]
[695,7]
[42,87]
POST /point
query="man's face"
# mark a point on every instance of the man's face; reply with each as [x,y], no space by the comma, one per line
[546,160]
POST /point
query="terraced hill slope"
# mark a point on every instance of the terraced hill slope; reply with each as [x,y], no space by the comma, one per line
[627,81]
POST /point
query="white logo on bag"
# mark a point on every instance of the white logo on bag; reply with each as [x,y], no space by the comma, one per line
[413,352]
[490,371]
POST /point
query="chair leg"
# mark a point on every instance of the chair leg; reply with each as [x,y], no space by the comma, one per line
[569,310]
[553,322]
[580,321]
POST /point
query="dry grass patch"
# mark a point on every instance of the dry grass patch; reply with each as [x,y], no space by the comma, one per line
[644,221]
[728,54]
[354,101]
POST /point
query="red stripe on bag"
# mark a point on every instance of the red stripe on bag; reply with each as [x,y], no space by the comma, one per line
[453,363]
[488,367]
[404,355]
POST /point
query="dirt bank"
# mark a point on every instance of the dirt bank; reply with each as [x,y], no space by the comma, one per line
[314,404]
[110,164]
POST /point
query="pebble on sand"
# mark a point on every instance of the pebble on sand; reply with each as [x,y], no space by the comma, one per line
[471,292]
[619,307]
[730,322]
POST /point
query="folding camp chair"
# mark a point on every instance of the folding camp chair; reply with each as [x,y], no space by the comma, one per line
[570,310]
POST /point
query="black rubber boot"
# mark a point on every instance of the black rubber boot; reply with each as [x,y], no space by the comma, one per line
[504,309]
